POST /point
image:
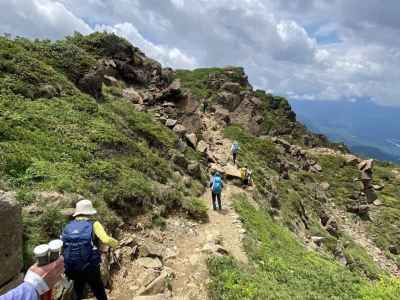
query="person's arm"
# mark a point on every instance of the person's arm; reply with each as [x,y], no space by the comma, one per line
[25,291]
[103,236]
[37,281]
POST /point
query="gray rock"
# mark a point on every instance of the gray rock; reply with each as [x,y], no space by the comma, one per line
[194,169]
[179,129]
[232,87]
[149,263]
[47,91]
[110,80]
[394,249]
[92,84]
[325,186]
[158,285]
[202,146]
[192,139]
[170,123]
[180,160]
[10,237]
[229,100]
[151,249]
[132,95]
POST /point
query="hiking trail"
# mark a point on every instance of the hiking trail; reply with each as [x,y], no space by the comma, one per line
[187,245]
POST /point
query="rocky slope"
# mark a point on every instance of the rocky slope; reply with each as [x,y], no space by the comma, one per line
[92,116]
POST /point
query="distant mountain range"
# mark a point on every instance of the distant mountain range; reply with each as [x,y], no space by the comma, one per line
[367,128]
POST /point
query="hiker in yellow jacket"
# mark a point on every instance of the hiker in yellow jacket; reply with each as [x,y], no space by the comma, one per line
[82,256]
[245,175]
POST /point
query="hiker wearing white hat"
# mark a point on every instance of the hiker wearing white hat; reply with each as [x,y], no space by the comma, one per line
[81,238]
[84,208]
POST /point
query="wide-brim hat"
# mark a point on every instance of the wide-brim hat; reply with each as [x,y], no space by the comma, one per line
[85,208]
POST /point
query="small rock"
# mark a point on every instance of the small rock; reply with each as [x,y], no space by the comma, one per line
[168,104]
[378,202]
[149,263]
[132,95]
[202,146]
[110,80]
[318,240]
[170,123]
[151,249]
[325,186]
[179,129]
[146,277]
[158,285]
[378,187]
[192,139]
[394,249]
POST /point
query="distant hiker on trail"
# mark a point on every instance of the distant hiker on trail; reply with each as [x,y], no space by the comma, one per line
[81,238]
[205,105]
[216,186]
[234,150]
[245,175]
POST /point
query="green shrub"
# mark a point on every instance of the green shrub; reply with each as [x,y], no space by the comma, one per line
[196,208]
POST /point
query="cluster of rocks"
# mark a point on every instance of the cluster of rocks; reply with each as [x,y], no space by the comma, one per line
[361,201]
[297,153]
[151,277]
[127,63]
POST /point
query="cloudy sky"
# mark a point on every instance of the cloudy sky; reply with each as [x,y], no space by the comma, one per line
[304,49]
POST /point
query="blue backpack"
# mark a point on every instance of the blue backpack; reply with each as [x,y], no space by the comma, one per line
[217,185]
[79,249]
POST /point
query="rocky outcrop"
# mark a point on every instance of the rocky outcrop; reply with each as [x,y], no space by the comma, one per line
[10,238]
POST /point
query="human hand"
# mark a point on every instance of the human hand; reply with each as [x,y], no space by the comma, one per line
[45,277]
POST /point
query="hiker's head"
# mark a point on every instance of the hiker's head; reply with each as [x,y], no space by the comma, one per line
[217,174]
[84,208]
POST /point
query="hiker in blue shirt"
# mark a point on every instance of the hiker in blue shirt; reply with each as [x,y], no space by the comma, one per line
[216,185]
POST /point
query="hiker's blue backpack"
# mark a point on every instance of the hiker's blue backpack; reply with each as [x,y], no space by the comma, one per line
[217,185]
[79,251]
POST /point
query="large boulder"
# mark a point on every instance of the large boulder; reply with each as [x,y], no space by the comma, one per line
[232,87]
[222,115]
[10,237]
[229,100]
[92,84]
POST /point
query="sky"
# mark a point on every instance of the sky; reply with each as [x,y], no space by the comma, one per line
[301,49]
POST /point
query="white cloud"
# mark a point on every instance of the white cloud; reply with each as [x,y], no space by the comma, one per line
[167,56]
[39,18]
[316,49]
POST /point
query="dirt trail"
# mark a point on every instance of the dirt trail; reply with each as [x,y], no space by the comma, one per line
[222,233]
[190,243]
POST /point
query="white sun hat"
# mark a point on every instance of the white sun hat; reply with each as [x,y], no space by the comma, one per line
[84,207]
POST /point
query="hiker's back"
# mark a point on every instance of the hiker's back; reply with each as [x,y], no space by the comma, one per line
[217,185]
[79,249]
[235,147]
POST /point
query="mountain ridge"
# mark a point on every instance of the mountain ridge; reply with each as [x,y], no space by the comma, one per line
[92,116]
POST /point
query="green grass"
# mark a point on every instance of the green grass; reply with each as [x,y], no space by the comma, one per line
[281,268]
[197,80]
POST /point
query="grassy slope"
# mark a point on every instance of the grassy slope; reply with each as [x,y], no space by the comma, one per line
[281,268]
[107,152]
